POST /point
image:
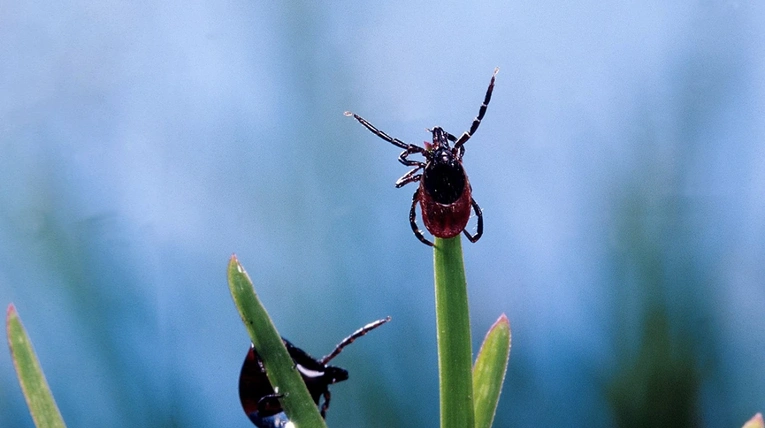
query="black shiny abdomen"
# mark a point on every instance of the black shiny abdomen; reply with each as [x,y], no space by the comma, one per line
[444,181]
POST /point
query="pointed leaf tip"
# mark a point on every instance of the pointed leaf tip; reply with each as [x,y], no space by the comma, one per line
[11,311]
[235,267]
[502,324]
[502,320]
[755,422]
[10,316]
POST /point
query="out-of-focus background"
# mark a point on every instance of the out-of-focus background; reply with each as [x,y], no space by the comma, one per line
[620,167]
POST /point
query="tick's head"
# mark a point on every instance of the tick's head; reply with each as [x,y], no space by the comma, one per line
[318,381]
[440,140]
[439,152]
[334,374]
[326,375]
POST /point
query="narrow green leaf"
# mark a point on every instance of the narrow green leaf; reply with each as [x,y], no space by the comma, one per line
[489,371]
[33,384]
[455,353]
[755,422]
[285,379]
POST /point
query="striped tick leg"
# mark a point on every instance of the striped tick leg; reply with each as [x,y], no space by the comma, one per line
[477,121]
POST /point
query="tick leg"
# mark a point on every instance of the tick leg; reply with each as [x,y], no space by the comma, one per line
[270,403]
[481,111]
[355,335]
[381,134]
[413,222]
[479,229]
[408,178]
[325,404]
[412,149]
[460,152]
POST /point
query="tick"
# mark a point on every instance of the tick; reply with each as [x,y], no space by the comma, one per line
[259,400]
[444,194]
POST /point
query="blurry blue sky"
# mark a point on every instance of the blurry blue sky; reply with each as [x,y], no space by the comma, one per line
[621,162]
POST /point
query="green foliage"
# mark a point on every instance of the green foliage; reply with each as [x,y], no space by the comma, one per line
[468,396]
[281,371]
[455,352]
[659,386]
[460,408]
[41,404]
[489,371]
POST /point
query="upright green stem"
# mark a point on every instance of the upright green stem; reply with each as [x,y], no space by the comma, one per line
[455,354]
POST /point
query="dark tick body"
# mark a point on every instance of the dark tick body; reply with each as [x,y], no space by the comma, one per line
[444,194]
[259,400]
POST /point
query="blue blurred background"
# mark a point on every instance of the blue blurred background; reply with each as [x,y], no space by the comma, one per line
[620,166]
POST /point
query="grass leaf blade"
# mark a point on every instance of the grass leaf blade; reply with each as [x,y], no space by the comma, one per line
[489,371]
[36,391]
[297,402]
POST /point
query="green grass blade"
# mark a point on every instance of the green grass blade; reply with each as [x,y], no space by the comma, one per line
[41,404]
[297,402]
[455,353]
[489,371]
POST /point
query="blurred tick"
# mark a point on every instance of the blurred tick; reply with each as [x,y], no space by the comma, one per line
[259,400]
[444,194]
